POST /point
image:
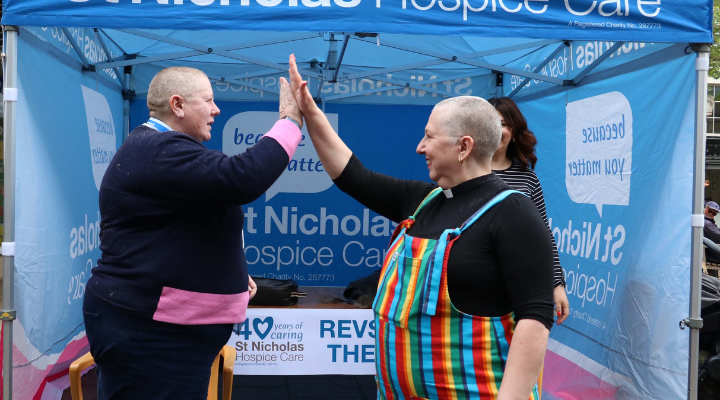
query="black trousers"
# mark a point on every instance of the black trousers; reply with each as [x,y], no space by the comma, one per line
[138,358]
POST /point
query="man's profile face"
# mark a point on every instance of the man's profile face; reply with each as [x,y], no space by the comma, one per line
[199,112]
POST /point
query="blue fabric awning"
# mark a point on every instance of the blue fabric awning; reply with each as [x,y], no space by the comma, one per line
[609,20]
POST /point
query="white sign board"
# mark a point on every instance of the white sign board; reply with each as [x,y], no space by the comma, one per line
[101,129]
[599,150]
[279,341]
[304,173]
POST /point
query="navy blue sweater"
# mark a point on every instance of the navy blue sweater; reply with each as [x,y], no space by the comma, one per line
[171,225]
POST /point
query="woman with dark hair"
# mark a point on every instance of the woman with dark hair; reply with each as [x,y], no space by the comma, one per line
[514,162]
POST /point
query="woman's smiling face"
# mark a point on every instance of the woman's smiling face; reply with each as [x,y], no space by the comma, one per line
[441,152]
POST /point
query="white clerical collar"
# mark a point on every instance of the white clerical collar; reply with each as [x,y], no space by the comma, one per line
[158,125]
[448,193]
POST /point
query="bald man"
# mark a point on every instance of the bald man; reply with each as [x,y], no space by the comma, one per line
[172,279]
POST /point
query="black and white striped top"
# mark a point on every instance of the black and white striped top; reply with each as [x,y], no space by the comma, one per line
[524,180]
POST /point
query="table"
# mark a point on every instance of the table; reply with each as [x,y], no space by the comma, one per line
[313,299]
[309,338]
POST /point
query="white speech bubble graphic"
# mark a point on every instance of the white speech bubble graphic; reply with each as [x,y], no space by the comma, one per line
[598,154]
[101,130]
[304,174]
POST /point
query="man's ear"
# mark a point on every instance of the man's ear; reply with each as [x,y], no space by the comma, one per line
[176,105]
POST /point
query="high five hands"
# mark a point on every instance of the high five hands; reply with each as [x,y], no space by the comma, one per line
[296,101]
[288,104]
[300,90]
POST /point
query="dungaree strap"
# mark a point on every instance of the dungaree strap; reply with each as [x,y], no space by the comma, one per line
[399,234]
[425,201]
[431,291]
[407,224]
[437,258]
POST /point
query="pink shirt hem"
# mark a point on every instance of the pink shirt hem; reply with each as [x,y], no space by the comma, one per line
[183,307]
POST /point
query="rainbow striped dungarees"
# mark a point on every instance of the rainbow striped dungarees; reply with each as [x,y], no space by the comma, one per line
[425,347]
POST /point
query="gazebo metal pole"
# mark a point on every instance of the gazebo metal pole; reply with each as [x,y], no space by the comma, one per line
[694,322]
[8,247]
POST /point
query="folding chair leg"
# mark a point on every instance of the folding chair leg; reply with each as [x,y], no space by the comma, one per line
[228,353]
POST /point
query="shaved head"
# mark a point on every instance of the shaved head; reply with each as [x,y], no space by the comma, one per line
[474,117]
[183,81]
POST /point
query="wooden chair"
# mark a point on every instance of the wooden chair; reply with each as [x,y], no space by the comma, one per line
[227,354]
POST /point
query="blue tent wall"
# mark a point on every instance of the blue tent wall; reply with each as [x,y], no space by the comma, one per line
[58,214]
[631,332]
[602,363]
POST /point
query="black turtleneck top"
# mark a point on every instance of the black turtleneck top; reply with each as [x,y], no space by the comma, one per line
[502,263]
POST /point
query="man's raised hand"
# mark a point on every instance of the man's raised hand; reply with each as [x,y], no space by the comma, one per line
[288,104]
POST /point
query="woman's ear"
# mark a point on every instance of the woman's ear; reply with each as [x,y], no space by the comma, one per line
[465,145]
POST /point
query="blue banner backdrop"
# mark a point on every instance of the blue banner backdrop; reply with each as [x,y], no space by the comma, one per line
[68,130]
[636,20]
[615,163]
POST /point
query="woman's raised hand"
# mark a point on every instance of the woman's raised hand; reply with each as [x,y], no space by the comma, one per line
[288,104]
[333,153]
[302,93]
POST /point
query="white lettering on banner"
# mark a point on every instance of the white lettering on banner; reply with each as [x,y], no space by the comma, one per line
[76,291]
[591,244]
[622,8]
[598,152]
[582,243]
[305,341]
[555,68]
[590,288]
[586,12]
[645,8]
[586,317]
[455,86]
[321,223]
[354,254]
[373,257]
[581,55]
[651,3]
[459,86]
[287,221]
[286,255]
[586,54]
[540,11]
[83,239]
